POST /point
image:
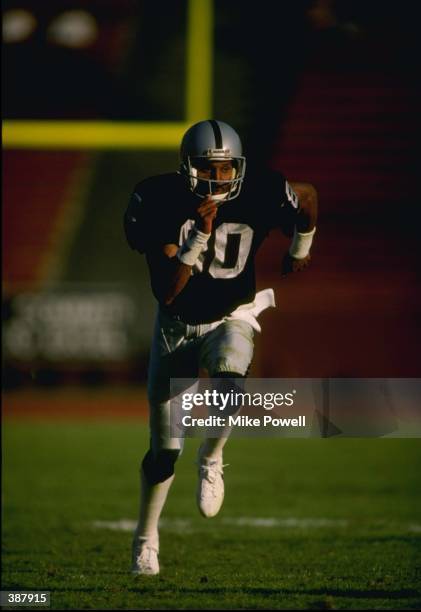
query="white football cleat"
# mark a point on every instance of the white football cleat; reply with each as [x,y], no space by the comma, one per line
[145,559]
[210,488]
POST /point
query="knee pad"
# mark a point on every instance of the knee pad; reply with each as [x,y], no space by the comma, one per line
[226,384]
[159,466]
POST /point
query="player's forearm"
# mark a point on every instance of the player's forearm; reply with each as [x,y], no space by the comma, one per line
[305,228]
[307,215]
[183,261]
[176,279]
[168,274]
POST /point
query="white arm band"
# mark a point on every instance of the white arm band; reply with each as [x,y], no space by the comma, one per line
[301,243]
[191,248]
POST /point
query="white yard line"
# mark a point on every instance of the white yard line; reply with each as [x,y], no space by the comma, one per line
[285,522]
[186,525]
[181,525]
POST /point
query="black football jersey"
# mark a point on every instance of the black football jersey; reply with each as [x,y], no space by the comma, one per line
[162,211]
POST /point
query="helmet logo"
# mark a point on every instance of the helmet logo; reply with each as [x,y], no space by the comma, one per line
[217,152]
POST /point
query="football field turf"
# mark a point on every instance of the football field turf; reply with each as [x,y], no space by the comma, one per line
[306,524]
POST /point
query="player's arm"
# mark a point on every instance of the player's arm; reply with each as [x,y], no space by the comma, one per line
[171,266]
[298,256]
[169,275]
[307,214]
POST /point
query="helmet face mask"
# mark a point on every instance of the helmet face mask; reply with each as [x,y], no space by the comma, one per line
[220,189]
[205,146]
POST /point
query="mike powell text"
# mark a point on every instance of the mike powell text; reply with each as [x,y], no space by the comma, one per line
[243,421]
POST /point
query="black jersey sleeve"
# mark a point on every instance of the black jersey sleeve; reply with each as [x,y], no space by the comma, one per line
[283,205]
[134,223]
[147,224]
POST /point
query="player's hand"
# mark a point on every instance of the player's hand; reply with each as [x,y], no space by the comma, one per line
[292,264]
[206,214]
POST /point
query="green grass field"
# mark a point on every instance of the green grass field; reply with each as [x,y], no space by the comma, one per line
[345,534]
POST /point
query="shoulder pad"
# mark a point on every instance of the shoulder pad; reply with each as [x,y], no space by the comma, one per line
[143,214]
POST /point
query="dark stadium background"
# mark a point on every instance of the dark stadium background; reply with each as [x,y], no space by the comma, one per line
[328,92]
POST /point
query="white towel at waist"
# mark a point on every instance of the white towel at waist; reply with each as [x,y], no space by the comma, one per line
[248,312]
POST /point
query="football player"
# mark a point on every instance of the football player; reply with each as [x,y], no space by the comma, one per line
[200,229]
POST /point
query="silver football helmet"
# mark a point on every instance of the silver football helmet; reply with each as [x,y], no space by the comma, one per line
[212,140]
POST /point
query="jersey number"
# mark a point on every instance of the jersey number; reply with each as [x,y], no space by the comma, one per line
[227,252]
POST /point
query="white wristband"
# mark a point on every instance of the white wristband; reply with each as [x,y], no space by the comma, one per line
[191,248]
[301,243]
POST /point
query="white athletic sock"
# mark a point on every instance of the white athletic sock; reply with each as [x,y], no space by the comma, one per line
[152,500]
[211,448]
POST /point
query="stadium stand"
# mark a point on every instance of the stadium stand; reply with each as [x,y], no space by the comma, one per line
[35,187]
